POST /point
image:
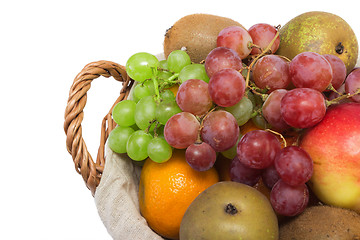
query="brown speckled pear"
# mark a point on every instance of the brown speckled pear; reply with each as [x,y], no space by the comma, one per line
[321,32]
[197,33]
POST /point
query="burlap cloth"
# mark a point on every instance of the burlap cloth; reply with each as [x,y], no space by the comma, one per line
[116,199]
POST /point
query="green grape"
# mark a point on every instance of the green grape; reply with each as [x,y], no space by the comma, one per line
[137,145]
[260,122]
[231,152]
[118,138]
[193,71]
[163,64]
[164,75]
[178,59]
[255,99]
[123,113]
[251,96]
[241,111]
[245,70]
[140,66]
[159,150]
[150,86]
[133,97]
[165,110]
[145,112]
[167,95]
[140,91]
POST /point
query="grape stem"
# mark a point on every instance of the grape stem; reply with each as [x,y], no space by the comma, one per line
[341,97]
[147,130]
[156,85]
[171,79]
[279,134]
[252,45]
[331,88]
[164,70]
[155,129]
[285,58]
[258,91]
[265,51]
[201,119]
[255,113]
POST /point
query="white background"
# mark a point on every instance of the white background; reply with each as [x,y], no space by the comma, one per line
[43,45]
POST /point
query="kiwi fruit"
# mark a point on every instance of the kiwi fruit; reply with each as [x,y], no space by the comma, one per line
[197,33]
[322,222]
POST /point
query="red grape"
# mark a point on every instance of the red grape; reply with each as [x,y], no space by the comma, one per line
[181,130]
[338,69]
[270,176]
[236,38]
[220,58]
[200,156]
[294,165]
[193,96]
[258,149]
[227,87]
[302,107]
[262,34]
[271,110]
[272,72]
[243,174]
[220,130]
[352,83]
[289,200]
[310,70]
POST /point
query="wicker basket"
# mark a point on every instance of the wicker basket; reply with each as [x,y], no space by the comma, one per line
[84,164]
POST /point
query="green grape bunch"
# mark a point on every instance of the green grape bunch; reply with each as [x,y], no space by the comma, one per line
[141,119]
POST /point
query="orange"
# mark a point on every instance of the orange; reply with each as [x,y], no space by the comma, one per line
[174,88]
[167,189]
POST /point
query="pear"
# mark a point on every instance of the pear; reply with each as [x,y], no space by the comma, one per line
[230,210]
[321,32]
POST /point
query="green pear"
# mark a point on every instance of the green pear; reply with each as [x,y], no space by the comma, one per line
[232,211]
[321,32]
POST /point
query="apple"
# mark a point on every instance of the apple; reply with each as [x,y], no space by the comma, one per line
[334,146]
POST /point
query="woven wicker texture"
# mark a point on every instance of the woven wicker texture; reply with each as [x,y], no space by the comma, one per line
[91,171]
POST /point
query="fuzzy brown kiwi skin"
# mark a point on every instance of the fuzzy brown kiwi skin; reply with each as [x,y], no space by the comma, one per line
[322,222]
[197,33]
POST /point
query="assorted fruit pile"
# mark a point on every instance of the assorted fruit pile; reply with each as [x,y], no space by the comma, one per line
[303,99]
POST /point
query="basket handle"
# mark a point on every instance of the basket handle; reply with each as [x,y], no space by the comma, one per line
[75,144]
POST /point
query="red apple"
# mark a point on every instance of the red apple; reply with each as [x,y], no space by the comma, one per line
[334,146]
